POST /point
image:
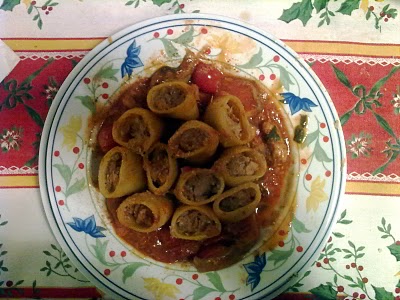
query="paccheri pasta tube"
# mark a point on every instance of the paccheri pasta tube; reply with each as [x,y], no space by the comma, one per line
[144,212]
[237,203]
[195,223]
[137,129]
[199,186]
[120,173]
[161,169]
[175,99]
[227,115]
[194,141]
[240,164]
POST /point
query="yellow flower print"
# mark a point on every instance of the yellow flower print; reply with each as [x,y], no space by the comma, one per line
[317,194]
[27,2]
[160,289]
[364,5]
[70,131]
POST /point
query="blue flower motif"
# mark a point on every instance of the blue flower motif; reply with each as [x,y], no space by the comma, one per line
[87,226]
[296,103]
[254,270]
[132,60]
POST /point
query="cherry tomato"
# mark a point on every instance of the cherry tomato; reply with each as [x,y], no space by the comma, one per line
[207,78]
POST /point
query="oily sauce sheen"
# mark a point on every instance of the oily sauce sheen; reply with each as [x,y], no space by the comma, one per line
[271,139]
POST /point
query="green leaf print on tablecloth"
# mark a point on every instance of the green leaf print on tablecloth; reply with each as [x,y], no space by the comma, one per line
[175,5]
[369,101]
[304,9]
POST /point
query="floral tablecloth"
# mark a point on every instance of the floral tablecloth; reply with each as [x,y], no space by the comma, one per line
[352,45]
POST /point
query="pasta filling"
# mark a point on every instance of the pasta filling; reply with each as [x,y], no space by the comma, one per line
[201,187]
[136,129]
[233,120]
[194,222]
[113,169]
[142,215]
[238,200]
[192,139]
[159,166]
[169,97]
[242,165]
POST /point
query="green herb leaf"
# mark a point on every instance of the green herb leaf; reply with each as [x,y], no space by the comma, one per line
[254,61]
[349,6]
[382,294]
[300,10]
[9,4]
[325,292]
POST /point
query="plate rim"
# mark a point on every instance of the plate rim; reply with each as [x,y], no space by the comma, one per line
[48,126]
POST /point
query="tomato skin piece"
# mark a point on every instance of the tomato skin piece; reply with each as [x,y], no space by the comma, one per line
[207,77]
[104,137]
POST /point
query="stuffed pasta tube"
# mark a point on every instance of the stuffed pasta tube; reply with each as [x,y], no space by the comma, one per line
[199,186]
[120,173]
[237,203]
[144,212]
[195,223]
[227,115]
[194,141]
[240,164]
[175,99]
[137,129]
[161,169]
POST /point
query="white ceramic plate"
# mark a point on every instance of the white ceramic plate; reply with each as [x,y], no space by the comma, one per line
[77,217]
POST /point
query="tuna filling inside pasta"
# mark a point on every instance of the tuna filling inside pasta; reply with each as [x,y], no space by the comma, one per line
[201,187]
[238,200]
[242,165]
[136,129]
[142,215]
[192,139]
[193,222]
[159,166]
[233,120]
[113,168]
[168,97]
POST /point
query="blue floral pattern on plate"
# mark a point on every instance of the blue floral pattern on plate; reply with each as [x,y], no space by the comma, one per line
[132,60]
[296,103]
[88,226]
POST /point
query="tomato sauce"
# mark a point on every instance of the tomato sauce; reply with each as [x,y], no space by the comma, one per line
[236,239]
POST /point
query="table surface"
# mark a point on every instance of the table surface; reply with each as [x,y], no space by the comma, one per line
[352,45]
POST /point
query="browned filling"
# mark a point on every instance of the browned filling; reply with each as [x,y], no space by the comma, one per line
[141,214]
[233,120]
[168,97]
[159,166]
[193,222]
[112,172]
[242,165]
[201,186]
[192,139]
[136,129]
[238,200]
